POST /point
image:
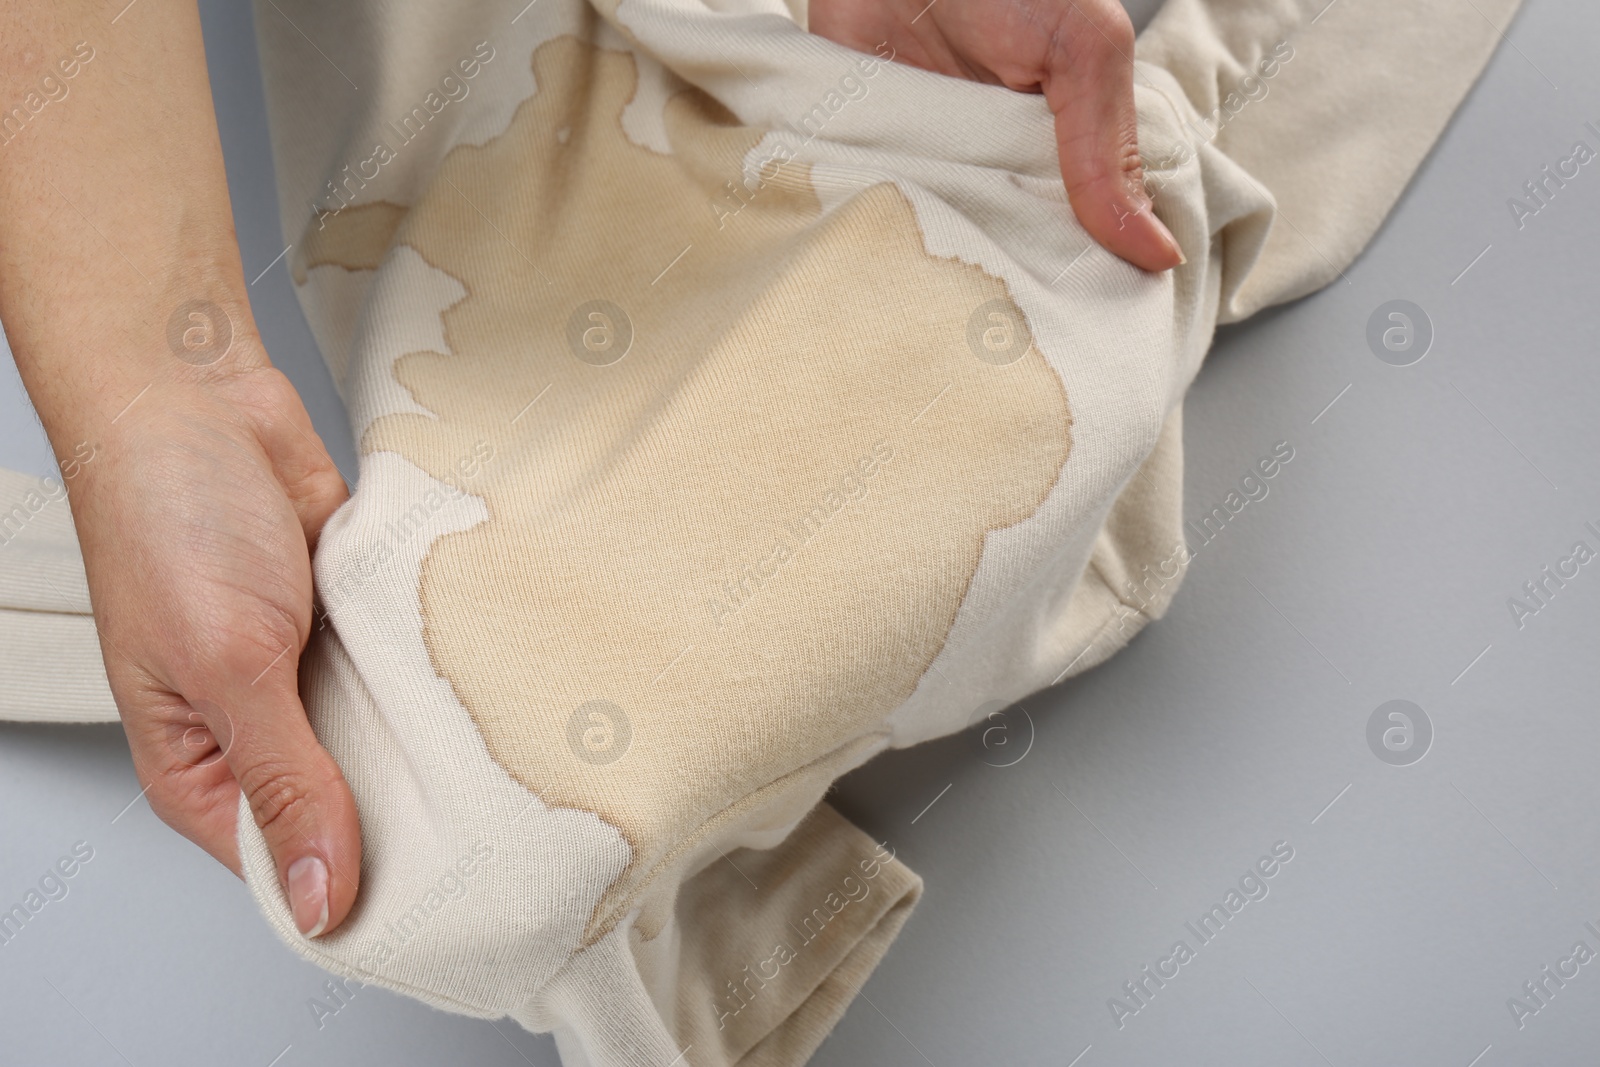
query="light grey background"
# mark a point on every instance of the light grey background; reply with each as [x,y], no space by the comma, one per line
[1379,567]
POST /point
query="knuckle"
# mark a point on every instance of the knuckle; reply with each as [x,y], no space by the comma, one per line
[272,388]
[1127,162]
[1110,182]
[322,486]
[167,800]
[259,641]
[1096,29]
[280,796]
[1118,28]
[176,800]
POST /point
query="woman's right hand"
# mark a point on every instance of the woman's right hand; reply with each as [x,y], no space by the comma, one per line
[197,518]
[126,308]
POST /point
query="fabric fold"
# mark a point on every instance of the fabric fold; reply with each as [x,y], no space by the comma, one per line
[51,668]
[806,922]
[1330,106]
[732,406]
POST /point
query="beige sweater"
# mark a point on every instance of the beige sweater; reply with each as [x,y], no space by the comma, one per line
[733,407]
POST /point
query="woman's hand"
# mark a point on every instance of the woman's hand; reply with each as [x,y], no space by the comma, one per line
[1078,53]
[126,307]
[197,521]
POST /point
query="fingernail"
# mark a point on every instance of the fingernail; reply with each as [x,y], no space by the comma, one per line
[308,894]
[1173,241]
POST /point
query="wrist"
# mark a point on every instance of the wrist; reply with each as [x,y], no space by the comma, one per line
[174,353]
[122,469]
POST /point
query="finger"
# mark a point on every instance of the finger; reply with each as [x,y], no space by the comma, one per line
[298,457]
[190,786]
[1089,86]
[295,791]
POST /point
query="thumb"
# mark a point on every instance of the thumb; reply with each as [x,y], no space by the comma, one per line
[1089,86]
[298,797]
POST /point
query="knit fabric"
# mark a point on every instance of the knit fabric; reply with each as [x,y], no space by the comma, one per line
[734,406]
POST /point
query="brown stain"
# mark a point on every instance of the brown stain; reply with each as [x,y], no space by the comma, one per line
[357,238]
[771,354]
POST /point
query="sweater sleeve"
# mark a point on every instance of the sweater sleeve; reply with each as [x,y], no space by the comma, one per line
[1330,105]
[51,669]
